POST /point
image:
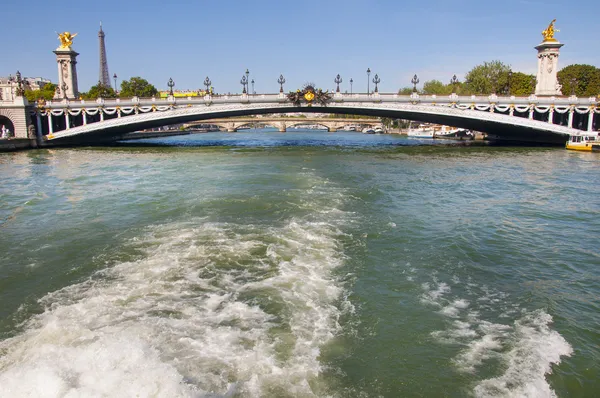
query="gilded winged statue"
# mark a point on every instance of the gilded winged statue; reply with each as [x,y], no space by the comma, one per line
[548,33]
[66,39]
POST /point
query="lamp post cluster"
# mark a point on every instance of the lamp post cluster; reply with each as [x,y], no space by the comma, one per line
[246,81]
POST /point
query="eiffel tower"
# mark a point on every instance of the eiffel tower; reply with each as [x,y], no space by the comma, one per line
[104,76]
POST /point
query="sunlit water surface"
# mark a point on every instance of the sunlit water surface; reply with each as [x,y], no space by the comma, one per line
[297,265]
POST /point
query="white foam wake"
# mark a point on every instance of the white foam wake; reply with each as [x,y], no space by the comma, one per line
[208,309]
[525,348]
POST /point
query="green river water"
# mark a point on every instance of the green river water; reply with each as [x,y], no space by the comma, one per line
[304,264]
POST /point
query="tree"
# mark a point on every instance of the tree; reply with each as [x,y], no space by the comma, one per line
[46,92]
[521,84]
[405,91]
[487,78]
[436,87]
[137,87]
[587,80]
[99,91]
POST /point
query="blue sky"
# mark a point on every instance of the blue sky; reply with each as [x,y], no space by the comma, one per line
[310,40]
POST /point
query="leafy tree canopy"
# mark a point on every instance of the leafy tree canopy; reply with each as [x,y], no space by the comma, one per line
[46,92]
[522,84]
[585,77]
[99,91]
[487,78]
[137,87]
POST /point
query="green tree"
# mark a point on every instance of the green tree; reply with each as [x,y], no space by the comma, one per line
[405,91]
[99,91]
[137,87]
[521,84]
[436,87]
[46,92]
[587,80]
[489,77]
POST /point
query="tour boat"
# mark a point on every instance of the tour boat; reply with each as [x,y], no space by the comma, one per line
[422,131]
[368,130]
[584,142]
[378,130]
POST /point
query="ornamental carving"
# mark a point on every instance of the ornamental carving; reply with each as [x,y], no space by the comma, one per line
[66,40]
[308,95]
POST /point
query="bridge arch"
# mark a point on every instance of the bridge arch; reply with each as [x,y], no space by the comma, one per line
[501,125]
[6,119]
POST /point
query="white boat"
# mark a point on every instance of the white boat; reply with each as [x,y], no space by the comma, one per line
[423,131]
[368,130]
[378,130]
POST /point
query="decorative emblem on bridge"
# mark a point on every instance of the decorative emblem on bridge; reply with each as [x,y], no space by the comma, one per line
[66,40]
[548,33]
[309,95]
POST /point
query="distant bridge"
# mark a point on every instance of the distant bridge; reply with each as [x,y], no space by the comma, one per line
[283,123]
[525,119]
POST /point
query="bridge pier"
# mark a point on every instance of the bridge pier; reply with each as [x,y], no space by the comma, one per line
[18,115]
[331,129]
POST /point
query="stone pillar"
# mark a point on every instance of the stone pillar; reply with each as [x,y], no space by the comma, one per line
[67,73]
[547,82]
[551,115]
[571,112]
[590,120]
[50,127]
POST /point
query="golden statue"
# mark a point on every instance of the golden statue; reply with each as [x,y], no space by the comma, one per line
[548,33]
[66,40]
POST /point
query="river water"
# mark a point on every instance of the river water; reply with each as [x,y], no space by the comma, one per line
[303,264]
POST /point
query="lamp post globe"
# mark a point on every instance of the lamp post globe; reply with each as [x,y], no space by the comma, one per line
[281,81]
[337,81]
[376,80]
[244,82]
[207,83]
[415,81]
[351,81]
[171,84]
[454,82]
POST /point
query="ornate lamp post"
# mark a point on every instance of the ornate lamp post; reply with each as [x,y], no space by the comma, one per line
[368,80]
[573,85]
[376,80]
[243,82]
[454,82]
[115,77]
[247,79]
[171,84]
[533,84]
[510,74]
[207,83]
[281,81]
[337,80]
[253,92]
[415,81]
[351,81]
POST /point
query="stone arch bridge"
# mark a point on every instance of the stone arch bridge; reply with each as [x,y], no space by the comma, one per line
[283,123]
[544,119]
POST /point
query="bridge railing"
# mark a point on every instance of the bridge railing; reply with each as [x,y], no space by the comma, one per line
[337,98]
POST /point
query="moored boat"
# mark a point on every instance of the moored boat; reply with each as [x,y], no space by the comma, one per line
[584,142]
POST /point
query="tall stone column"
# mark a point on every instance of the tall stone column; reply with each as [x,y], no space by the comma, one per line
[66,59]
[548,51]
